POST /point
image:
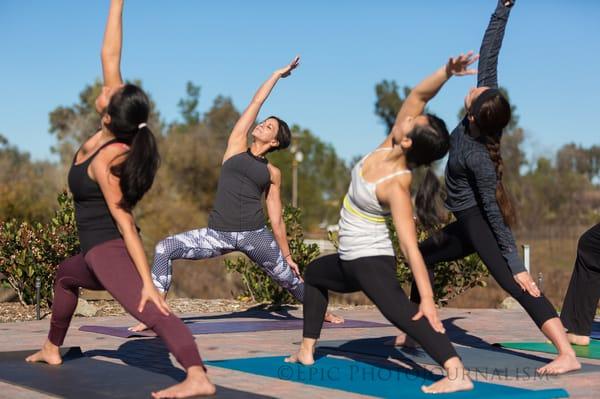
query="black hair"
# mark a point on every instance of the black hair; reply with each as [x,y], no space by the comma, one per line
[129,109]
[429,144]
[491,112]
[284,134]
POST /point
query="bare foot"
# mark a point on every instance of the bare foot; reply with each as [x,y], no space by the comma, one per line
[195,384]
[575,339]
[139,328]
[403,340]
[562,364]
[48,354]
[447,385]
[333,318]
[305,356]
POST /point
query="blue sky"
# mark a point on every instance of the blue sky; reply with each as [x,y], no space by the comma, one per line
[550,61]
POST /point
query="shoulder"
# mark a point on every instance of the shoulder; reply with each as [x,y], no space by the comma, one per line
[113,153]
[398,185]
[274,172]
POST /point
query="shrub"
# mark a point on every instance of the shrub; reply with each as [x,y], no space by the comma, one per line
[30,250]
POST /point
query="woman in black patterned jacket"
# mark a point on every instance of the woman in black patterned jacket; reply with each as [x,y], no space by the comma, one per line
[480,204]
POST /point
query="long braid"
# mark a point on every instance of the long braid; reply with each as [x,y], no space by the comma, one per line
[506,207]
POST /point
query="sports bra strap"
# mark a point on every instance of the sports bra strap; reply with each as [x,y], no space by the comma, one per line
[398,173]
[109,142]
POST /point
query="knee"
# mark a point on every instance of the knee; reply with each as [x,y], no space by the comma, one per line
[161,249]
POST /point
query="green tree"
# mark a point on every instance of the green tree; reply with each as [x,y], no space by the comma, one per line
[389,101]
[188,106]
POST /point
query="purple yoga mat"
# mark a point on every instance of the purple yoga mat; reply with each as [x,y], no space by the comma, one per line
[232,327]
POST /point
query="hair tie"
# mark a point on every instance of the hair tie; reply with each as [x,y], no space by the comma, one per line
[142,125]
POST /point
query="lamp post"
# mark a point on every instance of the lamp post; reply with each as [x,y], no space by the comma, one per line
[297,158]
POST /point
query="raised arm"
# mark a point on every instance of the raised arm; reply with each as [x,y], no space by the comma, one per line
[238,138]
[112,44]
[491,44]
[420,95]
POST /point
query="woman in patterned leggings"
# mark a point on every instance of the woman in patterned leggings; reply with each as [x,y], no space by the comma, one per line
[237,221]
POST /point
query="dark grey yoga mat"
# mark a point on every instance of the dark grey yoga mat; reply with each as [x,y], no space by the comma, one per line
[83,377]
[232,327]
[489,360]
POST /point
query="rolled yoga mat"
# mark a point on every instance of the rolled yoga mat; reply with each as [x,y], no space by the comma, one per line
[84,377]
[592,351]
[232,327]
[383,381]
[490,360]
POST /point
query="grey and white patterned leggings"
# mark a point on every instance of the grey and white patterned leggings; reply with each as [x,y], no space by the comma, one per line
[259,245]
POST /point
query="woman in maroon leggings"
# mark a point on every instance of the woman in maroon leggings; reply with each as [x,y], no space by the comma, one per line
[110,173]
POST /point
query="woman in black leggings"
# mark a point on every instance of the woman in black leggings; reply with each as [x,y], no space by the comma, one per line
[582,297]
[365,260]
[480,204]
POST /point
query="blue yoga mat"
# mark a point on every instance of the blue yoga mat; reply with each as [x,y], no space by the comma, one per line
[373,379]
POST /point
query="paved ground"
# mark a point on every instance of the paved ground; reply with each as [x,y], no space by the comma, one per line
[490,325]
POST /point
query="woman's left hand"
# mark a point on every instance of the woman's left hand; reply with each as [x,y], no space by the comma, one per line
[294,266]
[427,308]
[287,70]
[459,66]
[151,294]
[527,284]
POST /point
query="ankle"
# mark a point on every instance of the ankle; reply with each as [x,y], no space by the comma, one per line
[49,346]
[308,345]
[196,372]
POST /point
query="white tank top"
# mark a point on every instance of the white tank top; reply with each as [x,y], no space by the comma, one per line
[363,230]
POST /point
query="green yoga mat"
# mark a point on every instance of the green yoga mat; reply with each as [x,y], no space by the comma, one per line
[591,352]
[373,379]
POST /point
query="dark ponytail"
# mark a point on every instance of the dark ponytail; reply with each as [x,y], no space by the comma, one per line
[129,109]
[429,144]
[491,112]
[430,210]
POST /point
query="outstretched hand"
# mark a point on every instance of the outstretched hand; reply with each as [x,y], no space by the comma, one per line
[459,66]
[287,70]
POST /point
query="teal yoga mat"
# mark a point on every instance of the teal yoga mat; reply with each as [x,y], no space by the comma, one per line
[372,379]
[592,351]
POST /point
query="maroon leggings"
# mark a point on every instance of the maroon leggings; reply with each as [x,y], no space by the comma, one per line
[109,266]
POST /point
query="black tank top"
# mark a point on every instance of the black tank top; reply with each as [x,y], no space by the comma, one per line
[238,207]
[95,223]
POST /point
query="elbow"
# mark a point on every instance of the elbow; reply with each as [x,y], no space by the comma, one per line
[127,228]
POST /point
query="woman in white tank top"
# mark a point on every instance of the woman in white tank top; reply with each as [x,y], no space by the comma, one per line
[365,261]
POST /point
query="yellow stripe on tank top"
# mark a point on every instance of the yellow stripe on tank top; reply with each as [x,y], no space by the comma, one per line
[351,209]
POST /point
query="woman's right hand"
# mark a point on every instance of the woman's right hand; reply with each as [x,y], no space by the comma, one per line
[151,294]
[459,66]
[287,70]
[427,308]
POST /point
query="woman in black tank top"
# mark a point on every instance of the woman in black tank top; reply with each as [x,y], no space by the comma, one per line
[110,173]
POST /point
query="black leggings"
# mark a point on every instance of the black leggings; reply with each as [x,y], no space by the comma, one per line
[471,233]
[376,277]
[583,294]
